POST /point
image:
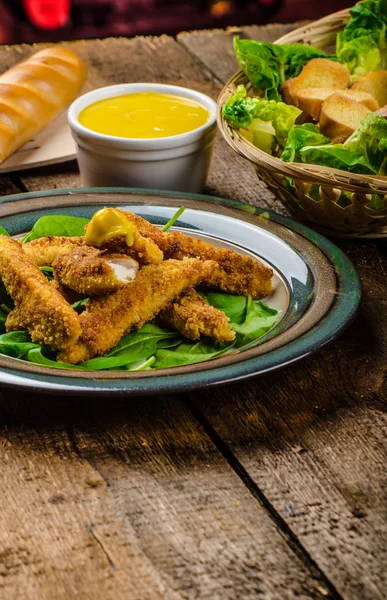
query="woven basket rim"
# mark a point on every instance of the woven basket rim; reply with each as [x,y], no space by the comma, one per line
[357,183]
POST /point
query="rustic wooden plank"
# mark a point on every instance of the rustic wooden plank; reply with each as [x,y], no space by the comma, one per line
[312,438]
[130,499]
[8,186]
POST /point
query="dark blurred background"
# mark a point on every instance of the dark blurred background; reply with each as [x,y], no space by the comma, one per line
[53,20]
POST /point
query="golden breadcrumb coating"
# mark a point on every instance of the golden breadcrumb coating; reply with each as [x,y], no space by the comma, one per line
[193,317]
[234,273]
[45,250]
[69,295]
[39,307]
[108,318]
[88,271]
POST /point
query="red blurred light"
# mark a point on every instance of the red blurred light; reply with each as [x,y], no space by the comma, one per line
[47,14]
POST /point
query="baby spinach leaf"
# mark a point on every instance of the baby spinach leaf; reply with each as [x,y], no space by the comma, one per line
[57,225]
[188,353]
[232,306]
[16,344]
[259,318]
[4,231]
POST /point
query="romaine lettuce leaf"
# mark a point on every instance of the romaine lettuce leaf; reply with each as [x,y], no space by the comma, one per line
[370,140]
[252,114]
[307,134]
[362,43]
[337,157]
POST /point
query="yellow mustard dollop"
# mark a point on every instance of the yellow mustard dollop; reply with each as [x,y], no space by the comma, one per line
[107,224]
[144,115]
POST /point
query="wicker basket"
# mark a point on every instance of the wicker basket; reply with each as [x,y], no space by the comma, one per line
[335,201]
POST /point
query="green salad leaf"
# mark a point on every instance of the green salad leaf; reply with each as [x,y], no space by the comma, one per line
[264,122]
[267,65]
[362,43]
[3,231]
[57,225]
[370,141]
[300,136]
[337,157]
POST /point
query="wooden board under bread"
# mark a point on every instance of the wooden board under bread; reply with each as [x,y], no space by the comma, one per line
[54,144]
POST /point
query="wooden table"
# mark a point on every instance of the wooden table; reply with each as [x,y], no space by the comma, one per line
[273,488]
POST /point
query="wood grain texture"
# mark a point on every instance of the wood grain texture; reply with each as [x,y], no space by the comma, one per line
[8,186]
[313,439]
[131,500]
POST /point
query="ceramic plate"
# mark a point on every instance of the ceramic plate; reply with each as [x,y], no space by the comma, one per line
[316,289]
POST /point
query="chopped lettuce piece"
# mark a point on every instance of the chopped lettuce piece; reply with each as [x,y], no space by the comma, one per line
[267,121]
[362,43]
[307,134]
[337,157]
[370,140]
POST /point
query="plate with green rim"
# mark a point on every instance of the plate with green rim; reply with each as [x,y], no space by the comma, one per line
[316,288]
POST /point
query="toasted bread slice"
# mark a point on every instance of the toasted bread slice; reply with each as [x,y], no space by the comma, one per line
[321,73]
[340,116]
[310,100]
[285,91]
[375,83]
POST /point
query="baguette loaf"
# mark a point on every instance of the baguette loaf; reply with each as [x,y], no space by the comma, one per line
[35,91]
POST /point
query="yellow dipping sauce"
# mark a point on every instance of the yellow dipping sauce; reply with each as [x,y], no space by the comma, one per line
[107,224]
[144,115]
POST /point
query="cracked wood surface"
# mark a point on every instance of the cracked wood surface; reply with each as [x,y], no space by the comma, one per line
[273,488]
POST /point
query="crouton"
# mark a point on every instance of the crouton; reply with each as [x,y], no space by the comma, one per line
[375,83]
[285,91]
[340,116]
[310,100]
[321,73]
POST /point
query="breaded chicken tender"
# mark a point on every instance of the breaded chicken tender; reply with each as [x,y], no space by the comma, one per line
[69,295]
[193,317]
[45,250]
[89,271]
[110,229]
[234,273]
[108,318]
[39,308]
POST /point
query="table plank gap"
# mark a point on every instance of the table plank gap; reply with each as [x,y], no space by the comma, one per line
[291,538]
[137,502]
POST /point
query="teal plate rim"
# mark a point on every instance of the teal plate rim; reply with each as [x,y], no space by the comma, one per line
[341,313]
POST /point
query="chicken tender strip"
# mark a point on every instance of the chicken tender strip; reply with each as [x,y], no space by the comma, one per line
[89,271]
[108,318]
[234,273]
[69,295]
[39,308]
[110,229]
[45,250]
[193,317]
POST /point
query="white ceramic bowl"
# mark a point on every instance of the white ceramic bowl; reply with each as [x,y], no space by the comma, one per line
[178,162]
